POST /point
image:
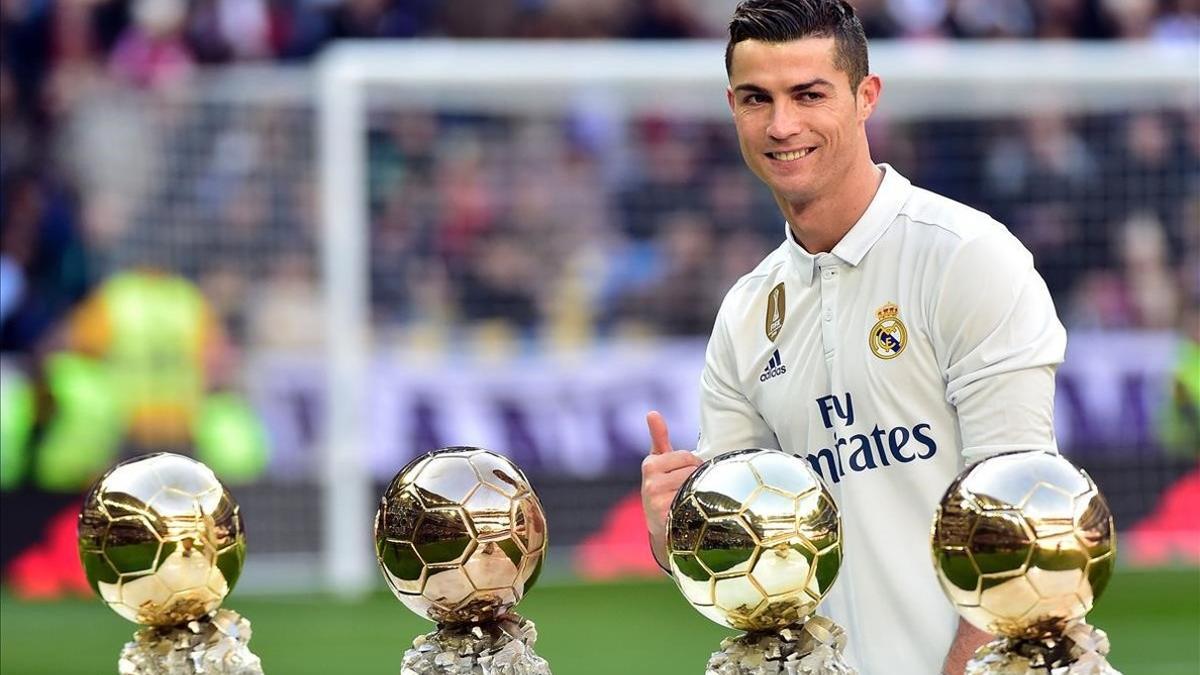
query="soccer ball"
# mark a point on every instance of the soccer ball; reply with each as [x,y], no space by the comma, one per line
[161,540]
[1023,544]
[754,539]
[460,535]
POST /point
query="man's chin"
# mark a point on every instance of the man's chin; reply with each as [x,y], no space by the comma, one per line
[793,192]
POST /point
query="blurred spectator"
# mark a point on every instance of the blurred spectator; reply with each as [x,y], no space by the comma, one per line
[27,29]
[1144,257]
[1149,170]
[500,284]
[43,256]
[1178,20]
[16,134]
[381,18]
[1099,301]
[666,177]
[877,20]
[1131,19]
[993,18]
[920,18]
[288,306]
[152,51]
[682,297]
[663,19]
[1071,19]
[225,30]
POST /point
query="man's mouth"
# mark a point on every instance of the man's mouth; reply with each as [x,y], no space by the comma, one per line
[790,155]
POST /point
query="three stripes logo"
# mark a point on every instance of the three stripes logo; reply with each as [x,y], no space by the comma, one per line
[774,368]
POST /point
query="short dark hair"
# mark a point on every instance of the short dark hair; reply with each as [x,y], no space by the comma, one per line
[786,20]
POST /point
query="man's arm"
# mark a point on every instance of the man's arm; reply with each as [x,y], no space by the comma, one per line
[967,639]
[728,421]
[998,341]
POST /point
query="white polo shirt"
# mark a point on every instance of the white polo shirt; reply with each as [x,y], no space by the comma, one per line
[923,340]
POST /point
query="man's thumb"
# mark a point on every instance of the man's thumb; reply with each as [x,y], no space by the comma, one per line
[660,440]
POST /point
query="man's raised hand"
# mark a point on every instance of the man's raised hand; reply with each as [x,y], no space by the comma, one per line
[663,471]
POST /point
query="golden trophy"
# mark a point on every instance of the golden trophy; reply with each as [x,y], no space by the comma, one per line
[460,537]
[1023,545]
[162,543]
[755,542]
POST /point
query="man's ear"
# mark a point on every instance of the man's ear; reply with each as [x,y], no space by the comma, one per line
[867,96]
[729,98]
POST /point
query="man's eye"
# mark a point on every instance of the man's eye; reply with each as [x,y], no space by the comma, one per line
[754,99]
[811,96]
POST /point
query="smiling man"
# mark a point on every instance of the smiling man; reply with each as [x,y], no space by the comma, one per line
[894,335]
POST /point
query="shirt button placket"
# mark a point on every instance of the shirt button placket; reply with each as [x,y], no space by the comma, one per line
[829,287]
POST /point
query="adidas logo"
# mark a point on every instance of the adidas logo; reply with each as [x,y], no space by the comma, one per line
[774,368]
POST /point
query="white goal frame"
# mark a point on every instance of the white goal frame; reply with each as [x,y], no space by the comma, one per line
[966,79]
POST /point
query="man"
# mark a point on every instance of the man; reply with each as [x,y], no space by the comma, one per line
[146,356]
[894,336]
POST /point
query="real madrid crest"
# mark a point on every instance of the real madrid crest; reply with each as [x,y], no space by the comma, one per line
[888,336]
[776,311]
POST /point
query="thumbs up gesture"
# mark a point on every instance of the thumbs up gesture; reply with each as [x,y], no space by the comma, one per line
[663,471]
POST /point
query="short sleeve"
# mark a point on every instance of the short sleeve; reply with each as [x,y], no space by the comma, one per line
[728,420]
[998,342]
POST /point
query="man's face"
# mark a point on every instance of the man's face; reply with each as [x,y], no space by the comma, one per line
[799,122]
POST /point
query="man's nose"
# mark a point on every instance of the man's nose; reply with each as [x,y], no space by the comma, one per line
[786,121]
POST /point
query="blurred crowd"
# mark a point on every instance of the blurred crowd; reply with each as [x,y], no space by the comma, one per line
[561,227]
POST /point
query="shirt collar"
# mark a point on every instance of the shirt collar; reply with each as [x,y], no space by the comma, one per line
[885,205]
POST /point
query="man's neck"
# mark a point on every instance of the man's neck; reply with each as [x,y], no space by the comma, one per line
[820,224]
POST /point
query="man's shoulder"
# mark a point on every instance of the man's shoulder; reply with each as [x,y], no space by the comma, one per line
[960,241]
[764,275]
[943,219]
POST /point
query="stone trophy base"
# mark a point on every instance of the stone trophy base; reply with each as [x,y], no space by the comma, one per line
[217,644]
[501,647]
[1080,650]
[812,648]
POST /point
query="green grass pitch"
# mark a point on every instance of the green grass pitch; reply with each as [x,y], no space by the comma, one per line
[1152,617]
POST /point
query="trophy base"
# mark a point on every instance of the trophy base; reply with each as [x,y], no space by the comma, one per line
[217,644]
[501,647]
[812,648]
[1080,650]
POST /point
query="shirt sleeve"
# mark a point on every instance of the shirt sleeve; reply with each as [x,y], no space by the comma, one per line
[728,420]
[998,342]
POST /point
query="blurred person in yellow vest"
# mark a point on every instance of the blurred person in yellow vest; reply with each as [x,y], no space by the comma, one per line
[162,344]
[145,356]
[1179,425]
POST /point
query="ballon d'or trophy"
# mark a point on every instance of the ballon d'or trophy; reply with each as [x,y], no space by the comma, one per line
[755,542]
[162,543]
[460,537]
[1023,545]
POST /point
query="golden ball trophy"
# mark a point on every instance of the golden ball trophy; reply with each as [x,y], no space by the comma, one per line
[755,542]
[461,537]
[1023,545]
[162,543]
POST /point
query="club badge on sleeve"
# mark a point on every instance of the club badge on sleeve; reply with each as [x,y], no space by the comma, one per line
[776,311]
